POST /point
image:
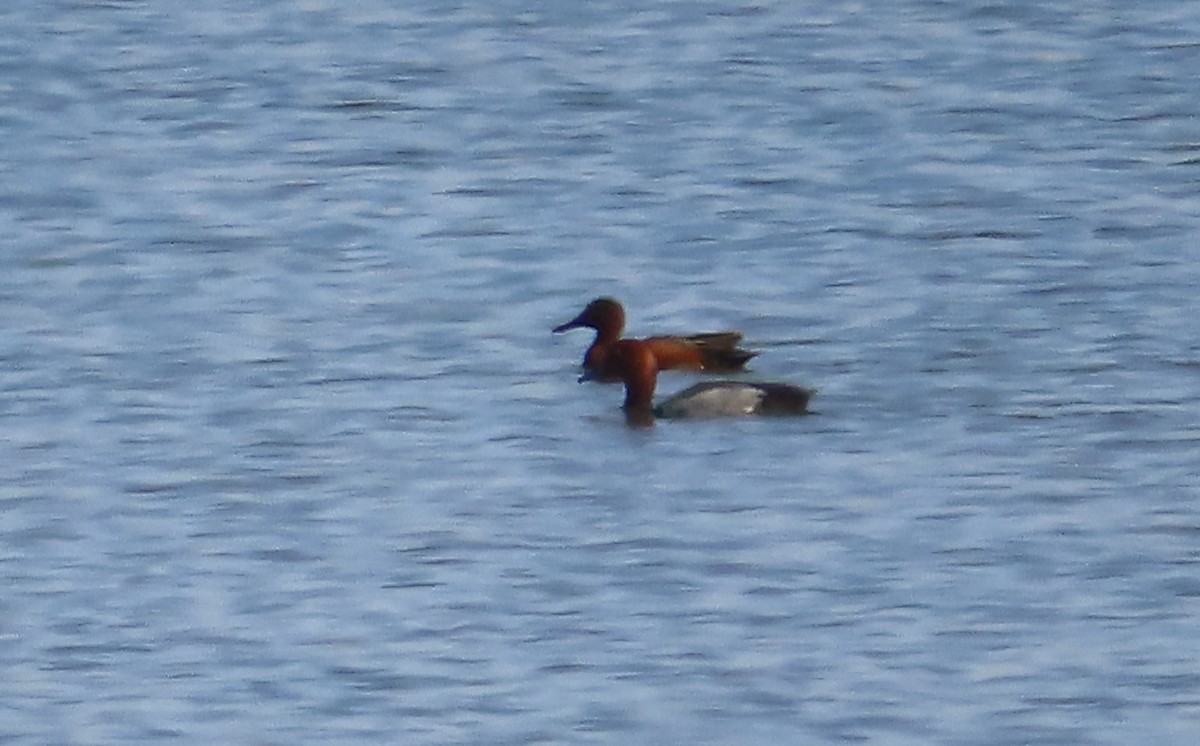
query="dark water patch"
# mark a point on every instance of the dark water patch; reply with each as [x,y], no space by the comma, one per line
[284,556]
[1133,232]
[587,98]
[372,105]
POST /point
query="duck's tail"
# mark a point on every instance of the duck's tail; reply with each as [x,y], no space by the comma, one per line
[720,351]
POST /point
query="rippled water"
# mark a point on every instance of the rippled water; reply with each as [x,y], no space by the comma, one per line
[291,456]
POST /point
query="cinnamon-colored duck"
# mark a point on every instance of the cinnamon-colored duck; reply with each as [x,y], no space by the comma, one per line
[715,352]
[635,363]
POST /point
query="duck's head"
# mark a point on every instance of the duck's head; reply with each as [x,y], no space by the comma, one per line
[605,315]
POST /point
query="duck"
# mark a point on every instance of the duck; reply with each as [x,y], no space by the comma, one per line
[714,352]
[637,366]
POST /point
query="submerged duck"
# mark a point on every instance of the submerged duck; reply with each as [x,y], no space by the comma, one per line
[637,366]
[712,353]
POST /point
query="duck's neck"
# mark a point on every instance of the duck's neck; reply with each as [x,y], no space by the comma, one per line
[639,389]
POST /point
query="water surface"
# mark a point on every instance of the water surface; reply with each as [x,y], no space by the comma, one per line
[291,455]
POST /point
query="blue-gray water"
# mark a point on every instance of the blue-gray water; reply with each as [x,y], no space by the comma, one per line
[290,456]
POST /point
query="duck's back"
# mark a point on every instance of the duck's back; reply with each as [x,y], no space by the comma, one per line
[734,399]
